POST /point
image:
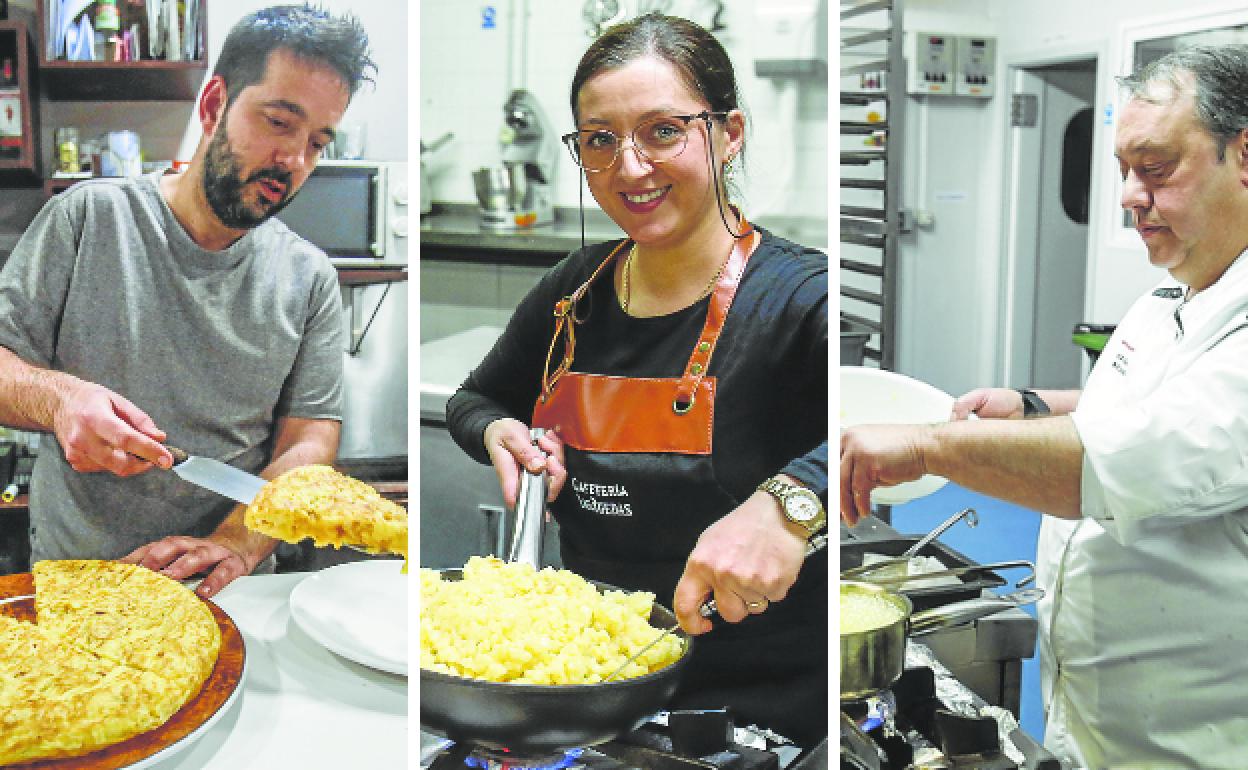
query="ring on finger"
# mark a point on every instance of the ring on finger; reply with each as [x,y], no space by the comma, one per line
[756,605]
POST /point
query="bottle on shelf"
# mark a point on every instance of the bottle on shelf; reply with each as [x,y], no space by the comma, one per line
[66,140]
[107,26]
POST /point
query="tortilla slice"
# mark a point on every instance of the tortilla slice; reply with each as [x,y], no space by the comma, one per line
[315,501]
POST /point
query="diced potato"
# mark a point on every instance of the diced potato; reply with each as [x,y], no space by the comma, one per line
[511,623]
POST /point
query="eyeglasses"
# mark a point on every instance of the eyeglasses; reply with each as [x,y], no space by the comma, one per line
[658,140]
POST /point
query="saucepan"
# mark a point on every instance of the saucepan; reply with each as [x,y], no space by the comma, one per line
[876,622]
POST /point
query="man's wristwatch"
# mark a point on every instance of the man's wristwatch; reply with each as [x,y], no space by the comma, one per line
[799,504]
[1033,405]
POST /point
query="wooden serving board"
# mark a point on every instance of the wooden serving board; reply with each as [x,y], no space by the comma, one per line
[217,689]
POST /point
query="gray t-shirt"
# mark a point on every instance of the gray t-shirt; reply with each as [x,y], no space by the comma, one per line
[213,345]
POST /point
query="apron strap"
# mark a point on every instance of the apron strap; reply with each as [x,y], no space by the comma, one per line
[721,299]
[565,323]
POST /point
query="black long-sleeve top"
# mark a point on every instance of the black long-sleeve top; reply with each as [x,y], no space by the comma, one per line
[771,362]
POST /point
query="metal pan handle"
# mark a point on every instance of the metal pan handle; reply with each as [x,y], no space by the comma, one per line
[530,519]
[956,614]
[893,581]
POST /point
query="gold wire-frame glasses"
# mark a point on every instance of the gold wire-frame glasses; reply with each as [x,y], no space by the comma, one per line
[658,140]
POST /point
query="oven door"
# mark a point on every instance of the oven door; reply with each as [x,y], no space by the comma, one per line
[341,209]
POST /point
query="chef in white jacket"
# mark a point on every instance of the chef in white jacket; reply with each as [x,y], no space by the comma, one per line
[1144,475]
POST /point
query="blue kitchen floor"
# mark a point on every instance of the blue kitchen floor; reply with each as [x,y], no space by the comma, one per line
[1005,532]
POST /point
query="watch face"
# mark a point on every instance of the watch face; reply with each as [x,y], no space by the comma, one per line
[801,508]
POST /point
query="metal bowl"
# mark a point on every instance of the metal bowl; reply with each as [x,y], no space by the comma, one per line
[500,187]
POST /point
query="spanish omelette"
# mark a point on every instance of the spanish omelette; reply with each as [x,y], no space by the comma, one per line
[76,682]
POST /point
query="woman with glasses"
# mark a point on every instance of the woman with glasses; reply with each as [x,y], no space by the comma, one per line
[680,376]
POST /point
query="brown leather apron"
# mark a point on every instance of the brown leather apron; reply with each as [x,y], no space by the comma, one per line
[640,490]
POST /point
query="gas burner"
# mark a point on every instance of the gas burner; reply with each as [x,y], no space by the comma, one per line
[873,711]
[501,759]
[910,725]
[701,739]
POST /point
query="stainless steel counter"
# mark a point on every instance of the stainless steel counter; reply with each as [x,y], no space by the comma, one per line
[453,231]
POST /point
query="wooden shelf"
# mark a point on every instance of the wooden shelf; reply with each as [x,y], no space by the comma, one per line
[20,505]
[370,275]
[57,185]
[122,81]
[143,80]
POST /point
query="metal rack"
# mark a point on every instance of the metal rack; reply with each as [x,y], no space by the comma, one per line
[873,93]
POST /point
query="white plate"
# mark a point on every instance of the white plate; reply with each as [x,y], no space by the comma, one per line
[876,396]
[357,610]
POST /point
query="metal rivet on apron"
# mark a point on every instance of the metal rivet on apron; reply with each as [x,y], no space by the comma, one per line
[696,368]
[703,347]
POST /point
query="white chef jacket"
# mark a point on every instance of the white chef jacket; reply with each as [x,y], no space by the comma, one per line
[1144,627]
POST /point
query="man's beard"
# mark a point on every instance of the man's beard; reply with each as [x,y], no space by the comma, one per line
[223,186]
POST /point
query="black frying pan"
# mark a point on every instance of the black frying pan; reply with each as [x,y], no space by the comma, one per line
[534,719]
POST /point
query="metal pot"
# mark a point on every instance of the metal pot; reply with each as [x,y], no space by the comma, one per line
[872,660]
[534,719]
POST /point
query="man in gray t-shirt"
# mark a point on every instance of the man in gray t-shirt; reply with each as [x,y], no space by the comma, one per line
[173,308]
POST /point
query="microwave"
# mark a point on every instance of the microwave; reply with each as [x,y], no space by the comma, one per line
[355,211]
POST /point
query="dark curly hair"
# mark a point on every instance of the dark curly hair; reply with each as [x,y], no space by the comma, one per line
[308,32]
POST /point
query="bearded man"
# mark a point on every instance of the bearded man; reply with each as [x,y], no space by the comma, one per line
[173,307]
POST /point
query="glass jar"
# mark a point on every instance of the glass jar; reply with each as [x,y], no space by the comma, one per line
[66,140]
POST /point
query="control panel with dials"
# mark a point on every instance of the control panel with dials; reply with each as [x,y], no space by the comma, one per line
[951,65]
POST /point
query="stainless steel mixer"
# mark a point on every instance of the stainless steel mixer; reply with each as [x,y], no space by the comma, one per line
[518,194]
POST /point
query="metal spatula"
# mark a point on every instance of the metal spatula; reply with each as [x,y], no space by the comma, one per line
[708,609]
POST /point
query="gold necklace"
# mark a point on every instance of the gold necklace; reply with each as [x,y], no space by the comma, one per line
[628,269]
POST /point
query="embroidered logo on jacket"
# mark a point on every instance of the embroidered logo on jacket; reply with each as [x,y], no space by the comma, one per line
[597,498]
[1121,358]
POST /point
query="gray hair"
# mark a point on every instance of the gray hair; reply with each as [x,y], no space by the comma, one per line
[1217,76]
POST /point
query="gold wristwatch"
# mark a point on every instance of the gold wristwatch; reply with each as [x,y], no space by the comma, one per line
[799,504]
